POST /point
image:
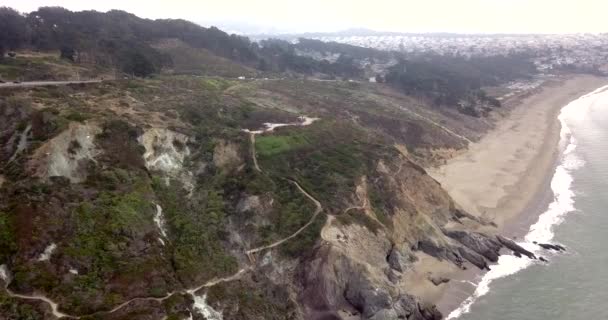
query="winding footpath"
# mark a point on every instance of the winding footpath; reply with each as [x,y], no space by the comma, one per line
[318,210]
[4,275]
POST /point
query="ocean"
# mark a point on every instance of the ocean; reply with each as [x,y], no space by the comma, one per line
[574,284]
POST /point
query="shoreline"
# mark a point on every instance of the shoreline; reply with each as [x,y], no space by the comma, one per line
[518,189]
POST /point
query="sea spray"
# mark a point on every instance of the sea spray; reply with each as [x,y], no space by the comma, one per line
[563,203]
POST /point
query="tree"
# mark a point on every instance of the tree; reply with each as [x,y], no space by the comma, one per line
[13,30]
[138,65]
[68,53]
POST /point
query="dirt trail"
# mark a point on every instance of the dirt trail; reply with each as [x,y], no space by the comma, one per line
[312,219]
[54,306]
[255,158]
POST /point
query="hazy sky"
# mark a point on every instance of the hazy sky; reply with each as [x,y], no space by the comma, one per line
[489,16]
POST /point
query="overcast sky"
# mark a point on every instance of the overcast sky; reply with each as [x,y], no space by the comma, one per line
[463,16]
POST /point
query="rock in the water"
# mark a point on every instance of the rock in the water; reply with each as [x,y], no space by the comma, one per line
[548,246]
[543,259]
[511,245]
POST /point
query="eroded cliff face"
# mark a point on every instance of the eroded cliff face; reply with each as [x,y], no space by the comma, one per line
[67,154]
[357,271]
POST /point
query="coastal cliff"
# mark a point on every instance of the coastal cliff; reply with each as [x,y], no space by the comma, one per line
[126,200]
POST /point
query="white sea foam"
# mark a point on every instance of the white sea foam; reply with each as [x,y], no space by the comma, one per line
[563,203]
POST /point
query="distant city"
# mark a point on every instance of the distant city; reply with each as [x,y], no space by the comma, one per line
[588,52]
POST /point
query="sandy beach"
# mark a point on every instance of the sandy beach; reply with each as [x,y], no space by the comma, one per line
[504,177]
[499,176]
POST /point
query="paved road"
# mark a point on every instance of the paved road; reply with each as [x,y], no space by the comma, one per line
[43,83]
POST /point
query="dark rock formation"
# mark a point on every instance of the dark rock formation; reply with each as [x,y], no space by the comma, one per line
[367,299]
[441,253]
[474,258]
[511,245]
[399,259]
[478,242]
[543,259]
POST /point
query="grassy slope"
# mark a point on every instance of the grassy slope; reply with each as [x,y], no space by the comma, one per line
[33,66]
[199,61]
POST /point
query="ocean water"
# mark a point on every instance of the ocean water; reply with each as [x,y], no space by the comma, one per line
[573,285]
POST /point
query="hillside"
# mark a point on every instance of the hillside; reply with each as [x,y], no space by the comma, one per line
[188,193]
[140,188]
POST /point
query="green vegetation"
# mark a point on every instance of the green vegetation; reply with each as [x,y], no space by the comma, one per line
[77,116]
[200,61]
[381,202]
[12,308]
[104,236]
[121,40]
[269,145]
[291,211]
[300,246]
[196,232]
[456,81]
[8,246]
[335,156]
[246,300]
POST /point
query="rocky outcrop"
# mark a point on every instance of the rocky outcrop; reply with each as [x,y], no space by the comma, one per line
[336,286]
[166,150]
[478,242]
[441,252]
[399,259]
[511,245]
[165,153]
[474,258]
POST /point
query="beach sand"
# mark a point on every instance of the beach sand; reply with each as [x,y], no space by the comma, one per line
[504,177]
[499,176]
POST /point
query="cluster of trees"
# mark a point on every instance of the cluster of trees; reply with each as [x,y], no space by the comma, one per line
[123,40]
[454,80]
